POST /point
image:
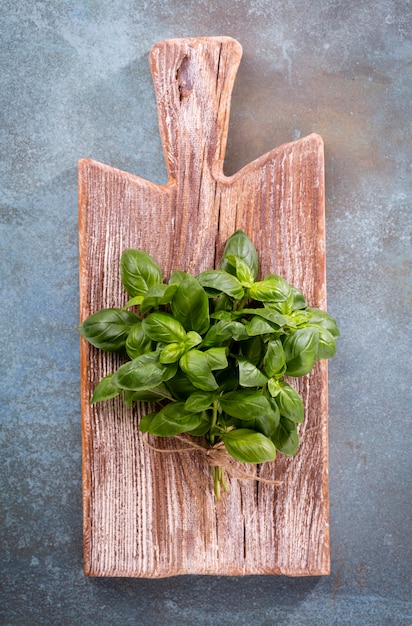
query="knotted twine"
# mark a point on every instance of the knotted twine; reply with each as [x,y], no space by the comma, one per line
[216,456]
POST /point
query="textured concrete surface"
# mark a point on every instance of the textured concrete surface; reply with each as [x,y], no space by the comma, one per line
[75,83]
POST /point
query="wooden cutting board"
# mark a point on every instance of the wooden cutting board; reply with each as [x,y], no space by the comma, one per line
[152,515]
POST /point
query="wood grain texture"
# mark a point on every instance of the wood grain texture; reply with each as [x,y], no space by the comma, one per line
[148,514]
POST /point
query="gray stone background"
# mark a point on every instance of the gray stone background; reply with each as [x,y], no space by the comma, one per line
[75,83]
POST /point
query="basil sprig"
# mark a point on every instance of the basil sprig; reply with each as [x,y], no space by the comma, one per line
[211,352]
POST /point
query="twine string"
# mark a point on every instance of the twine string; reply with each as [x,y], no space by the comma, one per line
[216,456]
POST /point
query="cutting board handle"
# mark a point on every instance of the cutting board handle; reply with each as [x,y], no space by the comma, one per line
[193,80]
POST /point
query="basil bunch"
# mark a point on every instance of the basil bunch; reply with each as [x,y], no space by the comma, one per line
[212,351]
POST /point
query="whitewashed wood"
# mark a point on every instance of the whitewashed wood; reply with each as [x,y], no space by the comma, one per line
[148,514]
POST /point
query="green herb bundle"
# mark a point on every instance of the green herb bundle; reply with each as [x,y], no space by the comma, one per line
[211,352]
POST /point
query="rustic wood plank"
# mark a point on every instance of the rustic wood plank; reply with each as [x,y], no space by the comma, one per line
[148,514]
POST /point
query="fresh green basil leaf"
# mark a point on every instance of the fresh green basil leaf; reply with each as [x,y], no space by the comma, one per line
[267,424]
[162,327]
[156,394]
[249,374]
[195,365]
[138,342]
[290,425]
[326,344]
[238,331]
[228,378]
[199,401]
[143,372]
[105,390]
[286,437]
[300,349]
[172,352]
[135,301]
[203,428]
[289,402]
[274,289]
[267,313]
[156,296]
[298,318]
[253,349]
[302,364]
[219,281]
[145,421]
[249,446]
[243,271]
[192,339]
[224,331]
[216,358]
[168,370]
[323,319]
[245,404]
[223,303]
[190,304]
[299,301]
[138,271]
[274,387]
[173,419]
[273,405]
[274,361]
[180,386]
[258,326]
[242,247]
[226,316]
[108,329]
[233,422]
